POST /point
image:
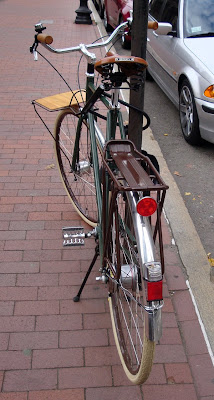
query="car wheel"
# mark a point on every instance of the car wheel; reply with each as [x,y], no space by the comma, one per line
[149,76]
[105,20]
[188,114]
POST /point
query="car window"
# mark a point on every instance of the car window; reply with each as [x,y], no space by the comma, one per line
[155,8]
[198,18]
[170,13]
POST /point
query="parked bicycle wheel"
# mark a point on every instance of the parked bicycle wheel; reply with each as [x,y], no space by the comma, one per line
[79,183]
[126,297]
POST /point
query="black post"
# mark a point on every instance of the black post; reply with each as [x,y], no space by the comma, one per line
[83,13]
[138,48]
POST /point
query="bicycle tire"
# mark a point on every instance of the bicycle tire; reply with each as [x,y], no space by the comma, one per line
[135,350]
[79,186]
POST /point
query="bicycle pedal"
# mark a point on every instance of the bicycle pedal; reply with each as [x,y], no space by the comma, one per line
[73,236]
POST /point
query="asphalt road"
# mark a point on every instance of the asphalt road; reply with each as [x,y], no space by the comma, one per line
[192,167]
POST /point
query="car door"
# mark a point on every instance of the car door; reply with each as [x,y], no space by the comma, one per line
[160,48]
[113,14]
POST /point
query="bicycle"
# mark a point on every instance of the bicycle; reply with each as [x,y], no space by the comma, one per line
[119,193]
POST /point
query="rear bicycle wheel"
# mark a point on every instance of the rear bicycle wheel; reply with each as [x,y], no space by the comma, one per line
[78,183]
[136,351]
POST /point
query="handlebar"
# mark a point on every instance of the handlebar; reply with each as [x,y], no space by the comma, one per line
[46,41]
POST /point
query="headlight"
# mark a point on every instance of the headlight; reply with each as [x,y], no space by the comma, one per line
[209,92]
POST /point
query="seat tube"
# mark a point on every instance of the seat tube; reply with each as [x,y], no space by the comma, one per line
[89,80]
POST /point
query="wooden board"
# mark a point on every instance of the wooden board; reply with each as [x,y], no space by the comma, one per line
[62,100]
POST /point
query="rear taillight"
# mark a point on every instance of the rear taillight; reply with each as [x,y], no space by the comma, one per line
[146,206]
[155,291]
[153,281]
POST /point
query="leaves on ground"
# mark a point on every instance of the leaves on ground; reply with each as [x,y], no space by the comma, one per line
[210,259]
[50,166]
[177,173]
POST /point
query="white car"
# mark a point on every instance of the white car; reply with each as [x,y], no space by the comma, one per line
[182,62]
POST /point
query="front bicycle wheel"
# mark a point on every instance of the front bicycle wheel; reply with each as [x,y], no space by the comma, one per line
[78,183]
[136,351]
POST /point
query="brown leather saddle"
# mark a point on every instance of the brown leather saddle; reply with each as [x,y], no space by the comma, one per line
[128,65]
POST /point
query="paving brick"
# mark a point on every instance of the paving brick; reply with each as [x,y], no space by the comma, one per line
[90,306]
[14,396]
[33,340]
[8,235]
[7,280]
[60,266]
[16,324]
[101,356]
[19,267]
[26,225]
[98,321]
[86,254]
[184,307]
[84,338]
[15,293]
[56,293]
[37,280]
[58,322]
[67,394]
[105,393]
[76,278]
[169,353]
[28,380]
[10,360]
[6,307]
[44,216]
[171,336]
[11,216]
[193,337]
[42,234]
[36,307]
[48,199]
[23,245]
[202,372]
[84,377]
[4,339]
[41,255]
[169,320]
[178,373]
[163,392]
[8,256]
[57,358]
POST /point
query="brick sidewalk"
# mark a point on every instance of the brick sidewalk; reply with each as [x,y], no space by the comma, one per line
[50,347]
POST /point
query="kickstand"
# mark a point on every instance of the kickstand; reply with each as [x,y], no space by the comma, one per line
[77,297]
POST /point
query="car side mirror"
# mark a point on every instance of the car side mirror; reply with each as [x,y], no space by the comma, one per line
[164,28]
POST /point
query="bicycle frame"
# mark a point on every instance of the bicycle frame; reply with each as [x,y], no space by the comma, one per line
[97,138]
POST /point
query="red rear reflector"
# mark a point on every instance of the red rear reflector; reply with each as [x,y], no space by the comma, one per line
[146,206]
[154,291]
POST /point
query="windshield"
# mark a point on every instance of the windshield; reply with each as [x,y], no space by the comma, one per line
[198,18]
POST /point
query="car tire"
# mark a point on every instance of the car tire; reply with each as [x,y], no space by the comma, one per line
[149,77]
[105,20]
[188,114]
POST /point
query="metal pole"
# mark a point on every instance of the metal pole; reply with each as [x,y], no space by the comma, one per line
[138,48]
[83,13]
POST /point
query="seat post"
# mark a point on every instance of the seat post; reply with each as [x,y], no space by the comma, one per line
[115,98]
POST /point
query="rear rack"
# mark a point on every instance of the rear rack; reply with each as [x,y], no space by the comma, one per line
[136,171]
[129,170]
